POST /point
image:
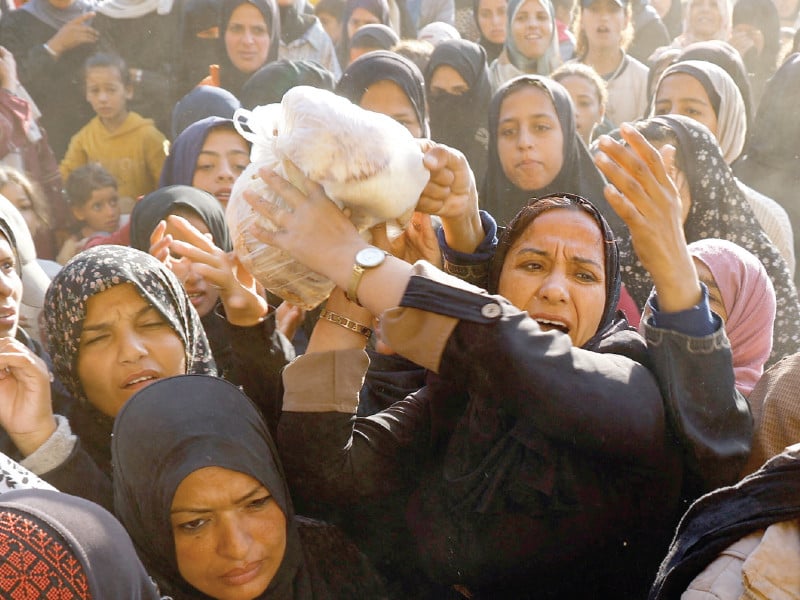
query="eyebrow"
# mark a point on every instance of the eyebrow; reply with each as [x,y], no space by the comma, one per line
[106,324]
[240,500]
[577,259]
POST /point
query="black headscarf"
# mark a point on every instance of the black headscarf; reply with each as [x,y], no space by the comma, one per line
[578,174]
[375,37]
[382,65]
[197,53]
[720,210]
[202,102]
[461,121]
[763,15]
[192,422]
[157,205]
[379,8]
[231,78]
[272,81]
[728,58]
[70,546]
[493,50]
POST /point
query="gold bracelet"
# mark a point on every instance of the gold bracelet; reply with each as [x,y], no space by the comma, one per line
[343,321]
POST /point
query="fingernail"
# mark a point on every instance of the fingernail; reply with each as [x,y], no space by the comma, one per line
[626,128]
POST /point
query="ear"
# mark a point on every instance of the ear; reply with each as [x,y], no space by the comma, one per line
[128,91]
[79,213]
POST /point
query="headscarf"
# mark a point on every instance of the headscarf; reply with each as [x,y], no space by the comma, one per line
[57,545]
[272,81]
[295,20]
[181,162]
[528,215]
[771,159]
[203,101]
[578,174]
[749,300]
[438,32]
[725,99]
[382,65]
[192,422]
[231,78]
[379,8]
[374,36]
[763,15]
[197,53]
[57,17]
[493,50]
[545,64]
[133,9]
[461,121]
[720,210]
[157,205]
[689,37]
[103,267]
[722,54]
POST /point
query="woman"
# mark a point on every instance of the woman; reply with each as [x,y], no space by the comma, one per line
[57,545]
[704,92]
[199,43]
[303,37]
[358,13]
[494,499]
[369,38]
[756,35]
[531,44]
[50,41]
[209,155]
[490,18]
[215,520]
[458,90]
[388,83]
[771,159]
[209,283]
[544,157]
[272,81]
[203,101]
[715,207]
[704,20]
[250,32]
[741,294]
[15,186]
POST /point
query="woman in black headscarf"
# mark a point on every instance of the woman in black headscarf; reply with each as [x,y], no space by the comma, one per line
[716,208]
[358,13]
[757,36]
[272,81]
[249,43]
[495,40]
[57,545]
[199,33]
[199,426]
[459,115]
[202,102]
[381,67]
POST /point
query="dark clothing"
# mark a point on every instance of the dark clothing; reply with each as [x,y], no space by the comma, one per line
[649,32]
[55,84]
[717,520]
[272,81]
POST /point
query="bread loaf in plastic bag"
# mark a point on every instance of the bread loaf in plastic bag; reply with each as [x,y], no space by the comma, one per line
[365,161]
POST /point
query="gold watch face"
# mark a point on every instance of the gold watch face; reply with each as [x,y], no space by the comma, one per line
[370,257]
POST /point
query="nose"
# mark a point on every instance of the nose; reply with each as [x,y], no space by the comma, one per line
[248,37]
[131,346]
[554,288]
[226,172]
[6,287]
[233,540]
[525,138]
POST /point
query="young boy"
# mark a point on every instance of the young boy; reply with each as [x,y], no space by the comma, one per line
[126,144]
[93,199]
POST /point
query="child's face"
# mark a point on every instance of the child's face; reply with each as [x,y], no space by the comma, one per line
[101,211]
[107,94]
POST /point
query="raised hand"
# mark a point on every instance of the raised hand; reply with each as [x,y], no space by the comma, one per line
[74,33]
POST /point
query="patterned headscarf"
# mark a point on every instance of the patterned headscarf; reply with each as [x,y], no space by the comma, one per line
[720,210]
[54,545]
[749,300]
[100,268]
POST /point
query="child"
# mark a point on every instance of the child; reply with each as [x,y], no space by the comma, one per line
[126,144]
[93,198]
[590,97]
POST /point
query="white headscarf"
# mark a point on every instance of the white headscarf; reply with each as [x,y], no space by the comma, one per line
[58,17]
[132,9]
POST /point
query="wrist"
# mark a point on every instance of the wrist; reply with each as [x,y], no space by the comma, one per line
[465,233]
[28,443]
[52,49]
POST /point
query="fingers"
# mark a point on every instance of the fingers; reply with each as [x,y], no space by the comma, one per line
[82,18]
[192,235]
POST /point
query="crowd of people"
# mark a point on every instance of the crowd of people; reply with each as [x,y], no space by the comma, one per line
[573,374]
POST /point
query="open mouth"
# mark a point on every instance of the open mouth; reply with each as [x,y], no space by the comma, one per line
[549,324]
[140,380]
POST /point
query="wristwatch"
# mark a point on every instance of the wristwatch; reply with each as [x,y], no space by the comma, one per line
[366,258]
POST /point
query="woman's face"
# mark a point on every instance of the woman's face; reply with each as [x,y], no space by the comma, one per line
[230,534]
[589,111]
[125,345]
[603,22]
[705,275]
[17,195]
[705,19]
[10,290]
[331,25]
[358,18]
[247,38]
[532,29]
[446,80]
[388,98]
[530,143]
[556,272]
[682,94]
[492,20]
[223,158]
[202,295]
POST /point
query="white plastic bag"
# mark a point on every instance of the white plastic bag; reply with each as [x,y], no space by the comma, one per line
[365,161]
